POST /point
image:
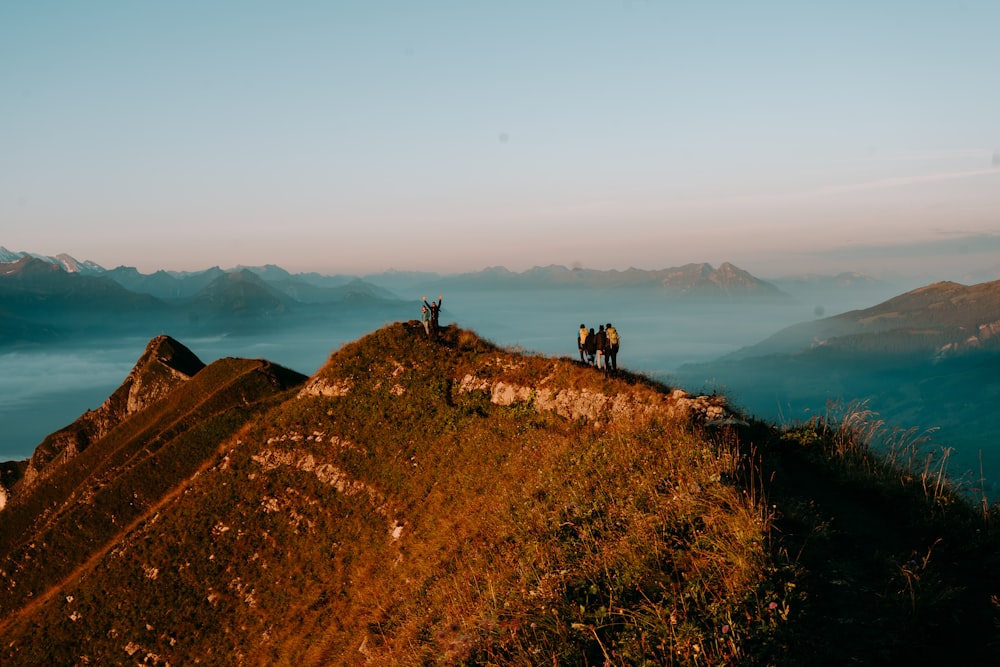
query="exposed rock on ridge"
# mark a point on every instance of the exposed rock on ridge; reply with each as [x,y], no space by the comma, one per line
[501,379]
[165,364]
[597,406]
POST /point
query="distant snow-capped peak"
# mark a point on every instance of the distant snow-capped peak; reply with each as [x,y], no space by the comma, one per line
[66,262]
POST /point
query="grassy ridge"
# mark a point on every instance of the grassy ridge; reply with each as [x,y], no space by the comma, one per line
[89,500]
[449,502]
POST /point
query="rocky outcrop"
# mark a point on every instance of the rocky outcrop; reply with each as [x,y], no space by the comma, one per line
[599,407]
[985,337]
[282,452]
[321,386]
[164,365]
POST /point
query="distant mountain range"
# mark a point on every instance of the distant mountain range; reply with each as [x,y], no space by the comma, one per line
[45,298]
[690,281]
[52,299]
[695,281]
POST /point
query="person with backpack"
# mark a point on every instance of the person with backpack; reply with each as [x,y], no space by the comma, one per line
[614,343]
[601,343]
[590,345]
[581,342]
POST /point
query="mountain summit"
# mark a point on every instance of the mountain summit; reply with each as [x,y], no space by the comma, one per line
[702,280]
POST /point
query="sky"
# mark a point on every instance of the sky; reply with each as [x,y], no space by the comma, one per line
[356,137]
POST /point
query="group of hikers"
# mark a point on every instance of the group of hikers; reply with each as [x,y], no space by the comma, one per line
[597,348]
[600,348]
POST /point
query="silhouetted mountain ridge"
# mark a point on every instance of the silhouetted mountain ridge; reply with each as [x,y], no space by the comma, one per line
[694,281]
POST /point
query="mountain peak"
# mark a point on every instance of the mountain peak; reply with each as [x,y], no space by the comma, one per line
[63,261]
[163,353]
[29,266]
[728,281]
[164,365]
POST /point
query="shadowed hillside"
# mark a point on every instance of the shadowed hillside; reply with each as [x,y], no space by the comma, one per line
[420,503]
[939,319]
[83,502]
[926,359]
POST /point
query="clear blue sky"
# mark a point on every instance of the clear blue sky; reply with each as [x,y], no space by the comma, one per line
[451,136]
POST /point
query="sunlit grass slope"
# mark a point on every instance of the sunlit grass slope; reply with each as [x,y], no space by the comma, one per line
[449,502]
[387,514]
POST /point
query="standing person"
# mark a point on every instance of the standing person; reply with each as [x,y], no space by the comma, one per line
[425,318]
[601,342]
[614,343]
[581,341]
[590,345]
[435,309]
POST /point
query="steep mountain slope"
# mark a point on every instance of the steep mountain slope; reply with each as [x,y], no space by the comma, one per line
[163,366]
[168,426]
[832,294]
[420,503]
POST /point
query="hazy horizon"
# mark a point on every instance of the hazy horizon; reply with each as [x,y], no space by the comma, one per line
[969,259]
